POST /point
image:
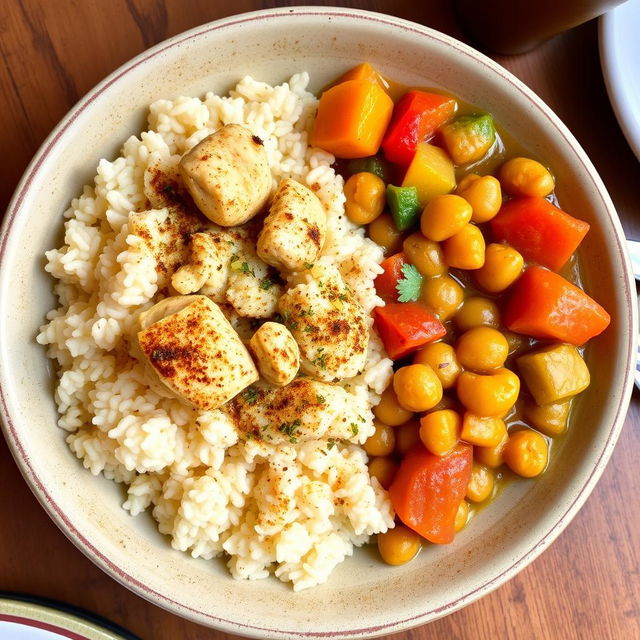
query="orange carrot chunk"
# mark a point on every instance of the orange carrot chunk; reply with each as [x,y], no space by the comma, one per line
[352,118]
[545,305]
[540,231]
[362,71]
[428,489]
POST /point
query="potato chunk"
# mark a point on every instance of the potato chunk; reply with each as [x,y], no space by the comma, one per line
[194,351]
[276,353]
[295,229]
[228,175]
[328,324]
[554,373]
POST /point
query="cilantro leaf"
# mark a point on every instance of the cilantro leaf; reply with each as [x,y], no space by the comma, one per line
[409,287]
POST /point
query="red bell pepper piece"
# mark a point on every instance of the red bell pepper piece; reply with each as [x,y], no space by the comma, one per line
[387,281]
[540,231]
[415,119]
[428,489]
[405,327]
[545,305]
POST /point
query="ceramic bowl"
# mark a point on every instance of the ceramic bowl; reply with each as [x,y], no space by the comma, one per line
[363,597]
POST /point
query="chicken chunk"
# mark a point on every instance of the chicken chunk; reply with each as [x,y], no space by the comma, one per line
[303,410]
[295,229]
[163,184]
[254,288]
[165,233]
[208,269]
[192,349]
[276,353]
[329,325]
[228,175]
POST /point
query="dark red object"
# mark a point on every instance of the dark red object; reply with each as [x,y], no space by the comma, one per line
[387,281]
[405,327]
[539,230]
[415,119]
[428,489]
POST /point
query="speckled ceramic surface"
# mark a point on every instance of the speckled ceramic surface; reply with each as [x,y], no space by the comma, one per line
[364,597]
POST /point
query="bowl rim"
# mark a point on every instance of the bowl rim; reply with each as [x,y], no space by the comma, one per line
[393,625]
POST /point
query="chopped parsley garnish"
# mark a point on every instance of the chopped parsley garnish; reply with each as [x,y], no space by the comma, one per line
[320,399]
[409,287]
[290,429]
[343,297]
[320,360]
[245,268]
[331,443]
[308,265]
[309,328]
[250,395]
[266,284]
[354,428]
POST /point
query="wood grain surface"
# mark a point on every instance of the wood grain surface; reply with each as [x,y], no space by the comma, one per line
[587,585]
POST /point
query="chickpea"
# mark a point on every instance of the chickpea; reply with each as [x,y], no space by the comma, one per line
[389,410]
[417,387]
[483,194]
[383,470]
[444,216]
[488,395]
[502,267]
[491,457]
[407,436]
[525,177]
[365,197]
[477,312]
[526,453]
[382,442]
[441,357]
[443,295]
[425,254]
[483,431]
[465,249]
[481,483]
[551,419]
[482,349]
[399,545]
[446,403]
[462,516]
[385,234]
[440,431]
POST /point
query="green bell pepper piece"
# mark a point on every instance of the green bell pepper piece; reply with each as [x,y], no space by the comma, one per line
[404,205]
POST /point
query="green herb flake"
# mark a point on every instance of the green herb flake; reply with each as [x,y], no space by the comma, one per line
[266,284]
[343,297]
[308,265]
[409,287]
[250,395]
[320,399]
[331,443]
[290,429]
[354,429]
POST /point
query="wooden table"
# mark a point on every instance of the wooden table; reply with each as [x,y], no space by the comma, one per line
[586,586]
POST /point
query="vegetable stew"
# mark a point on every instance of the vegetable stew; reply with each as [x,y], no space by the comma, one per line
[484,313]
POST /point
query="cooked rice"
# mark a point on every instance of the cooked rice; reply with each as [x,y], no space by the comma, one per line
[292,510]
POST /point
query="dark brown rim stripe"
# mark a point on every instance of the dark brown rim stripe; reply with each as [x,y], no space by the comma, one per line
[155,597]
[45,626]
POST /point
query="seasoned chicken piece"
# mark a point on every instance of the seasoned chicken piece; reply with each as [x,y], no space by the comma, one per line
[194,351]
[163,184]
[228,175]
[208,268]
[276,353]
[328,324]
[254,287]
[165,233]
[295,229]
[303,410]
